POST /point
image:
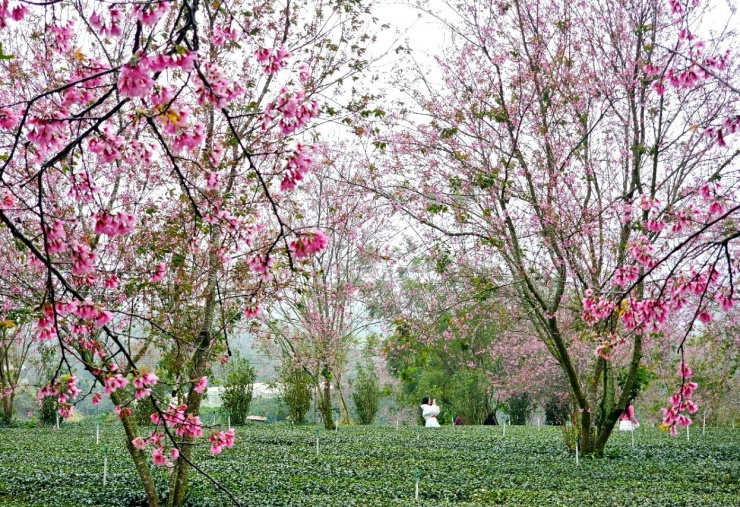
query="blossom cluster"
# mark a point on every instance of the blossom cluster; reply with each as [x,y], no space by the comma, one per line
[309,244]
[680,404]
[65,389]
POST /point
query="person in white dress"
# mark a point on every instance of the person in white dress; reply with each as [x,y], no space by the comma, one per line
[430,411]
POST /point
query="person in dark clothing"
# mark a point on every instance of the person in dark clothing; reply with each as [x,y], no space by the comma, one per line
[490,420]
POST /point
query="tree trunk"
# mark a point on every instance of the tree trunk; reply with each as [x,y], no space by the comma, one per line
[8,406]
[325,405]
[343,404]
[139,456]
[179,482]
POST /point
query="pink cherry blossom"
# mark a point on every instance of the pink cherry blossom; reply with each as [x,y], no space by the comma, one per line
[201,385]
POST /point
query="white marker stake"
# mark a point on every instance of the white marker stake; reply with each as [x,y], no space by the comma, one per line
[97,433]
[416,488]
[687,432]
[57,421]
[105,466]
[503,422]
[577,464]
[317,442]
[704,424]
[214,419]
[229,422]
[538,423]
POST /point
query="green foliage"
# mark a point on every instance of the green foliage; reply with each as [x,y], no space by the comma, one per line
[643,377]
[467,466]
[48,412]
[237,394]
[557,411]
[296,393]
[143,409]
[366,393]
[520,408]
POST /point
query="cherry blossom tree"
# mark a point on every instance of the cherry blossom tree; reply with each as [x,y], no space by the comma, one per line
[147,154]
[550,143]
[458,336]
[321,317]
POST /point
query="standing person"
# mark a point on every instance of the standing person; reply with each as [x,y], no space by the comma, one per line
[430,411]
[628,421]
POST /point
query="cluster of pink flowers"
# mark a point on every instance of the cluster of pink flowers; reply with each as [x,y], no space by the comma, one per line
[158,453]
[111,29]
[114,381]
[135,78]
[259,266]
[642,251]
[16,13]
[46,325]
[221,34]
[309,244]
[8,201]
[595,309]
[48,133]
[85,310]
[149,14]
[83,260]
[217,90]
[159,273]
[134,81]
[65,389]
[56,237]
[82,187]
[729,126]
[108,148]
[61,35]
[114,224]
[8,118]
[295,111]
[607,345]
[220,440]
[674,415]
[252,312]
[694,283]
[188,140]
[213,180]
[272,60]
[299,163]
[200,386]
[647,315]
[184,424]
[122,412]
[625,275]
[681,218]
[725,300]
[144,383]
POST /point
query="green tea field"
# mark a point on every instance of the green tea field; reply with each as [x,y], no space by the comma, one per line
[378,466]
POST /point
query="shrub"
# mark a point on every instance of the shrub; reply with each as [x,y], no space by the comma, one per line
[521,408]
[48,414]
[296,393]
[237,394]
[557,411]
[366,393]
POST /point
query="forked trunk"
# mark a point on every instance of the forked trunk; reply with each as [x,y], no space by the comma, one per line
[139,456]
[325,405]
